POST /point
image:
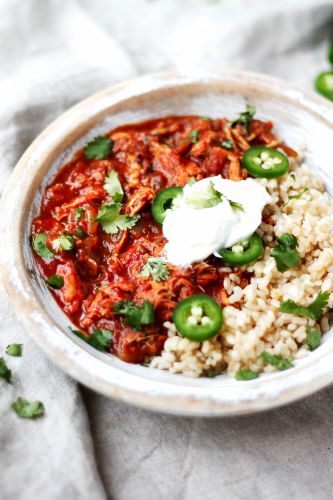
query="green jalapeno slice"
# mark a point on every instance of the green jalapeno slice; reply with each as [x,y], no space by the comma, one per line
[244,252]
[261,161]
[163,202]
[198,317]
[324,84]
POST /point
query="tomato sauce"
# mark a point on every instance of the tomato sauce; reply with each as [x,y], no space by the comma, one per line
[103,269]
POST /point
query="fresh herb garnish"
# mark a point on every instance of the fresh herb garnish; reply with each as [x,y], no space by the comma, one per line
[136,316]
[284,253]
[56,281]
[80,232]
[236,206]
[227,144]
[298,195]
[78,213]
[313,338]
[14,350]
[204,198]
[277,361]
[100,338]
[245,118]
[5,372]
[313,311]
[99,148]
[110,219]
[113,187]
[157,268]
[39,245]
[27,409]
[65,241]
[293,175]
[246,374]
[195,136]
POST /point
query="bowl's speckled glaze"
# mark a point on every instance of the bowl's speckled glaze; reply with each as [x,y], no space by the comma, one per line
[299,118]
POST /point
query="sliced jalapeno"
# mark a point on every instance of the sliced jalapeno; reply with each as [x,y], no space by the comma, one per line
[163,201]
[244,252]
[198,318]
[324,84]
[261,161]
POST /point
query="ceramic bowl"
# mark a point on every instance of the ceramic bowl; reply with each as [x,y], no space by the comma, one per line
[299,118]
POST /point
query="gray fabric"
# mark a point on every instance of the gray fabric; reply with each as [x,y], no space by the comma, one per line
[52,54]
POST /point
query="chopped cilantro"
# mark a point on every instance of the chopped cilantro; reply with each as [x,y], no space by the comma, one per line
[78,213]
[112,186]
[236,206]
[245,118]
[5,372]
[313,338]
[56,281]
[246,374]
[80,232]
[157,268]
[27,409]
[227,144]
[204,198]
[135,316]
[110,219]
[14,350]
[100,338]
[99,148]
[195,136]
[284,253]
[65,242]
[39,245]
[313,311]
[277,361]
[298,195]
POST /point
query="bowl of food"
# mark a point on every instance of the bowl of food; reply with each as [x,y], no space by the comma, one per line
[168,242]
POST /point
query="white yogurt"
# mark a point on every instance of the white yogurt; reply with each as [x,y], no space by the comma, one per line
[194,233]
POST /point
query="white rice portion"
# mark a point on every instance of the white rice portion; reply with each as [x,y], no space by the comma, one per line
[259,325]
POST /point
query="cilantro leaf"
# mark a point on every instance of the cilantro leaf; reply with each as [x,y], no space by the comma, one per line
[236,206]
[195,136]
[298,195]
[284,254]
[313,338]
[135,316]
[110,219]
[39,245]
[5,372]
[112,186]
[204,198]
[56,281]
[227,144]
[99,148]
[78,213]
[245,118]
[65,242]
[246,374]
[100,338]
[277,361]
[313,311]
[157,268]
[14,350]
[26,409]
[80,232]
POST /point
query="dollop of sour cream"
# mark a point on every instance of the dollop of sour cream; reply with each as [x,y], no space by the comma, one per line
[212,214]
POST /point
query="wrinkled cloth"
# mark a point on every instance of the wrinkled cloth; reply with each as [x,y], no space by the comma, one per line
[52,54]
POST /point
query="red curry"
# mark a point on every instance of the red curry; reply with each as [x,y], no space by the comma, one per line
[102,269]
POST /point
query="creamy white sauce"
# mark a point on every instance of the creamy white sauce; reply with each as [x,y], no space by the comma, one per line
[195,233]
